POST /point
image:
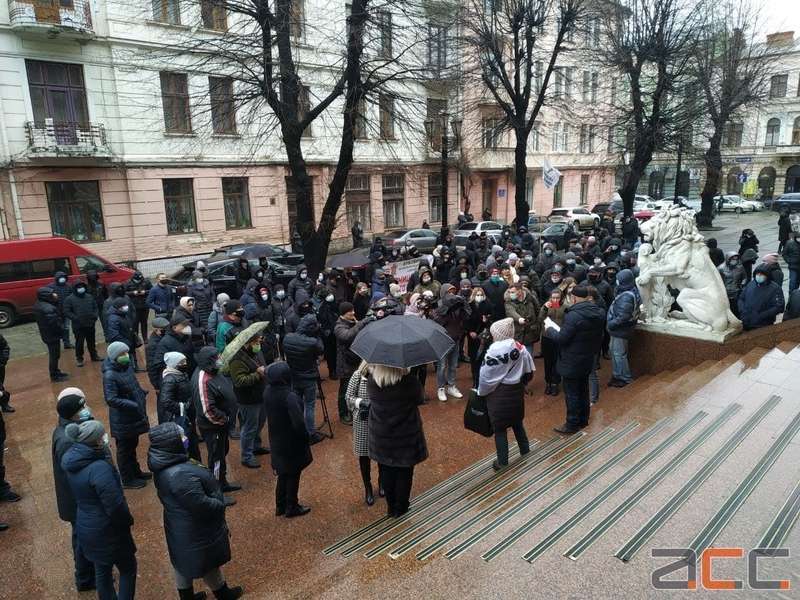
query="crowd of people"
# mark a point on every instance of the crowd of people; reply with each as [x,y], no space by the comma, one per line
[224,368]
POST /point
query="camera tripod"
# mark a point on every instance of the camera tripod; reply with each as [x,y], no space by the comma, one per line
[326,419]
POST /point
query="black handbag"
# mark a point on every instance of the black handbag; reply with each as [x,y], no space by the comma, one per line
[476,415]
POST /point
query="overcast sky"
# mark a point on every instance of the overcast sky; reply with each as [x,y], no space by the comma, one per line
[780,15]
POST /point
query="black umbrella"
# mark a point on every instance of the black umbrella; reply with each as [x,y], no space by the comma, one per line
[402,341]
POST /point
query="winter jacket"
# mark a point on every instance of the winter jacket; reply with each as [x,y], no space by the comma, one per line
[433,285]
[290,451]
[327,315]
[479,317]
[203,295]
[5,351]
[226,331]
[118,328]
[103,521]
[194,321]
[791,254]
[299,290]
[361,306]
[175,390]
[545,262]
[48,317]
[452,313]
[775,273]
[281,309]
[623,312]
[580,339]
[214,319]
[248,299]
[396,437]
[345,332]
[526,308]
[759,305]
[62,291]
[138,289]
[154,368]
[792,307]
[247,382]
[126,400]
[173,342]
[81,310]
[748,242]
[733,278]
[65,499]
[495,295]
[213,405]
[194,509]
[161,299]
[784,228]
[302,349]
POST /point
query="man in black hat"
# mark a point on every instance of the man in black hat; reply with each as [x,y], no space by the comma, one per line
[160,326]
[71,408]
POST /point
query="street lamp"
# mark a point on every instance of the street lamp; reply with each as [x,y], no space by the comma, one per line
[446,146]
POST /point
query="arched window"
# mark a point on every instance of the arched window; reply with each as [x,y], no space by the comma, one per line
[796,132]
[734,187]
[793,180]
[773,132]
[766,182]
[656,187]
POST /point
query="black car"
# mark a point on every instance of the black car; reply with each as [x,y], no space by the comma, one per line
[614,208]
[222,274]
[255,251]
[555,235]
[790,202]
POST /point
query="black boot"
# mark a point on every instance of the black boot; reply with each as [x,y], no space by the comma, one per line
[189,594]
[368,495]
[226,593]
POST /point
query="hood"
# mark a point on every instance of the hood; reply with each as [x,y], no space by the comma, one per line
[445,289]
[137,276]
[762,268]
[550,246]
[45,294]
[730,255]
[251,286]
[625,281]
[206,358]
[615,242]
[425,269]
[91,276]
[308,325]
[80,456]
[278,373]
[58,275]
[166,448]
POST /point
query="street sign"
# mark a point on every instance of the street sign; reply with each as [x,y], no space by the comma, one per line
[742,177]
[501,193]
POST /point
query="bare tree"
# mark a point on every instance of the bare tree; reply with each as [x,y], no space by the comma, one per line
[650,43]
[506,39]
[731,73]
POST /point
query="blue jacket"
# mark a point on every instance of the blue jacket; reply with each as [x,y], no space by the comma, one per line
[625,306]
[127,411]
[161,299]
[760,304]
[118,327]
[62,291]
[103,521]
[580,339]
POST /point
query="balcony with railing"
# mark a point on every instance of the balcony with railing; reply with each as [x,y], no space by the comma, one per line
[66,140]
[52,18]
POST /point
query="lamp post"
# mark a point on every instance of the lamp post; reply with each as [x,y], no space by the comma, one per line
[444,120]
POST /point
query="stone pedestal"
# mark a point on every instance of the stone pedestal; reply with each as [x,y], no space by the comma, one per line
[686,330]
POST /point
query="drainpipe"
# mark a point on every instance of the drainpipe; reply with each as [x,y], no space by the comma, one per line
[11,181]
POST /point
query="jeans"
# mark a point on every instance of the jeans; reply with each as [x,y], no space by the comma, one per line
[307,390]
[104,579]
[127,463]
[619,359]
[576,394]
[594,381]
[397,482]
[501,442]
[251,426]
[794,280]
[83,334]
[286,490]
[446,368]
[84,568]
[53,354]
[217,445]
[213,578]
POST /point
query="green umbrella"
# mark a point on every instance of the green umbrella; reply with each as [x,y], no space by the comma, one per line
[241,340]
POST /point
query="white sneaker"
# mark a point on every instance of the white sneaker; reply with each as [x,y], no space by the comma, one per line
[441,395]
[453,391]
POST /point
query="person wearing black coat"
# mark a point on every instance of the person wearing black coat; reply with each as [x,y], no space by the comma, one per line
[81,309]
[579,340]
[361,301]
[396,438]
[71,407]
[202,292]
[62,289]
[761,300]
[345,331]
[302,348]
[197,534]
[96,288]
[5,354]
[328,314]
[138,288]
[160,326]
[495,288]
[476,327]
[51,328]
[784,230]
[117,291]
[243,275]
[301,287]
[118,323]
[177,339]
[127,412]
[281,310]
[716,255]
[288,439]
[103,519]
[791,254]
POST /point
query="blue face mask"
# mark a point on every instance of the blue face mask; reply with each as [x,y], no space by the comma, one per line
[760,279]
[84,415]
[495,278]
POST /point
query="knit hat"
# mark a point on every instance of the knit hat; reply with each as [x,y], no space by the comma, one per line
[770,259]
[116,349]
[88,432]
[160,323]
[465,284]
[185,301]
[173,359]
[581,291]
[231,306]
[222,298]
[502,329]
[177,319]
[119,302]
[70,401]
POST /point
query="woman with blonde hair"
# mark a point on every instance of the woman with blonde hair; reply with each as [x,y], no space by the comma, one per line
[357,399]
[566,287]
[396,439]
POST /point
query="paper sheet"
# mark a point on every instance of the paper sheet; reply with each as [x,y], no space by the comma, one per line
[548,322]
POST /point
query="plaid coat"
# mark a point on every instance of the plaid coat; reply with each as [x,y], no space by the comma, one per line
[357,388]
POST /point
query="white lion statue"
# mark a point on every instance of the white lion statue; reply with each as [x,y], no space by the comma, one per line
[674,254]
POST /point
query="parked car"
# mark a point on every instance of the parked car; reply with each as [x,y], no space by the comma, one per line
[790,202]
[579,216]
[423,239]
[537,223]
[736,204]
[554,234]
[27,265]
[273,253]
[222,274]
[465,230]
[613,207]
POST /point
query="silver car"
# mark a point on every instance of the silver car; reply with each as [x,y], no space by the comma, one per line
[423,239]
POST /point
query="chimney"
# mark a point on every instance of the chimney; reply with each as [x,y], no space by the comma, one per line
[782,38]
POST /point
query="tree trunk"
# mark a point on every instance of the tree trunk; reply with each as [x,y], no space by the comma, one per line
[521,207]
[633,176]
[712,186]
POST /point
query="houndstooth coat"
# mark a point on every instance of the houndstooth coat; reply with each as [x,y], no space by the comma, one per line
[357,388]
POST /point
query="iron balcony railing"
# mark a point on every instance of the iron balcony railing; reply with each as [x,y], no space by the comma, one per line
[75,139]
[64,15]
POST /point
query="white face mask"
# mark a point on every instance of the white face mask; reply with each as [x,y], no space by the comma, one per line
[280,294]
[198,280]
[329,298]
[187,330]
[303,275]
[124,309]
[265,296]
[105,439]
[479,299]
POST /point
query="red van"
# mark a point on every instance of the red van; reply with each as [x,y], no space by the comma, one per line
[27,265]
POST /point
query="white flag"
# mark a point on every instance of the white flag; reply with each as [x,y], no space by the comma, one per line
[550,175]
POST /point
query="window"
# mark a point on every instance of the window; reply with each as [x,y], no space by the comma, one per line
[386,115]
[558,193]
[175,99]
[360,123]
[569,76]
[560,137]
[357,200]
[587,83]
[491,128]
[538,74]
[773,132]
[584,189]
[223,111]
[91,263]
[296,18]
[167,11]
[213,14]
[593,32]
[393,191]
[435,197]
[796,132]
[592,136]
[595,86]
[58,93]
[558,82]
[179,205]
[655,187]
[433,112]
[583,143]
[236,200]
[291,202]
[385,32]
[36,269]
[733,135]
[777,86]
[304,107]
[535,139]
[75,210]
[437,47]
